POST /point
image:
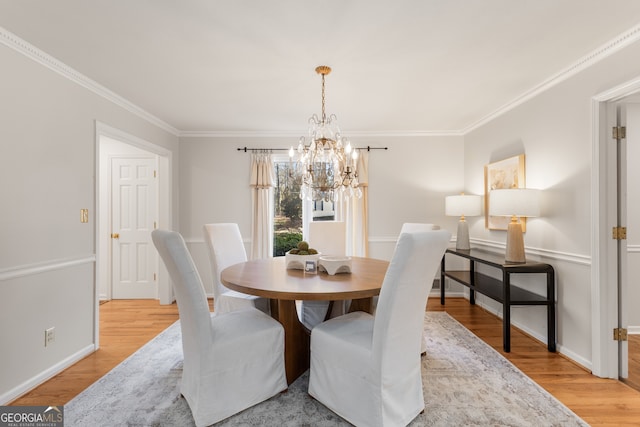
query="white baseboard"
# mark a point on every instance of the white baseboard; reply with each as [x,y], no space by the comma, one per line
[633,330]
[45,375]
[542,338]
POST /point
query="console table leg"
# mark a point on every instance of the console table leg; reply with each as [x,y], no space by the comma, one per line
[442,287]
[506,315]
[551,312]
[472,276]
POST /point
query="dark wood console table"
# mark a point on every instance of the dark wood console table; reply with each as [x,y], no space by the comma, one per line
[502,290]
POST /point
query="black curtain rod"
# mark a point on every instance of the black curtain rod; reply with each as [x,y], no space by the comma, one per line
[245,149]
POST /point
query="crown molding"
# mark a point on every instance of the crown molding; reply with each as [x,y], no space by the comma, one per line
[296,134]
[615,45]
[238,134]
[30,51]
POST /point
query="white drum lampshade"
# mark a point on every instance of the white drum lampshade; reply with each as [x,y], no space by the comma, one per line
[516,203]
[463,205]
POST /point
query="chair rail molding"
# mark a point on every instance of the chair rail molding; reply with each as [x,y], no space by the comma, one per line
[43,267]
[633,249]
[499,247]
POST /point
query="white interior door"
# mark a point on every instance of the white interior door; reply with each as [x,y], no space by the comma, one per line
[134,216]
[623,321]
[630,265]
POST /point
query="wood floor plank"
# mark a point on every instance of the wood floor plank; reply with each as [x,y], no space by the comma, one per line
[127,325]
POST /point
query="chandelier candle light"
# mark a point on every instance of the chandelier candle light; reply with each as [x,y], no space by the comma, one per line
[463,205]
[328,164]
[514,202]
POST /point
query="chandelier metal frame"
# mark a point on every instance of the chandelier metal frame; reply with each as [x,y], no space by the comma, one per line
[328,164]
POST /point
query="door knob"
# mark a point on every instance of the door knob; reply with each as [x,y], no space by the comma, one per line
[115,235]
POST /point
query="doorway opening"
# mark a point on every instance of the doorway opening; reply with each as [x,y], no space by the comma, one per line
[628,116]
[613,193]
[111,144]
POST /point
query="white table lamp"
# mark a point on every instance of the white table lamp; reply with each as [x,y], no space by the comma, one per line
[463,205]
[514,202]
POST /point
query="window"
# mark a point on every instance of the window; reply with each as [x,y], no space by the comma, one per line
[290,211]
[287,218]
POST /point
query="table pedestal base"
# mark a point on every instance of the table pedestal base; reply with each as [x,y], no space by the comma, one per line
[296,337]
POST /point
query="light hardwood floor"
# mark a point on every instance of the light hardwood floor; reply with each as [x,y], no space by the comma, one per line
[634,362]
[126,325]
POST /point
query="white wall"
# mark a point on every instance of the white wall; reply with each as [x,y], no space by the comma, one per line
[47,256]
[407,183]
[553,131]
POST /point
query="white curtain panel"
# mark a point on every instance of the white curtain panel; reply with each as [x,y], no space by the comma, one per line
[355,212]
[262,178]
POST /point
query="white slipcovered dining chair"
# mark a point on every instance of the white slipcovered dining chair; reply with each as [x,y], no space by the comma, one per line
[328,238]
[226,248]
[367,369]
[231,361]
[412,227]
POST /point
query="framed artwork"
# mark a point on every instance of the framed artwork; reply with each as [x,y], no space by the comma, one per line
[310,267]
[507,173]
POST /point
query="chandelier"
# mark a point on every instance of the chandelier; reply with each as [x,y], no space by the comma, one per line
[328,163]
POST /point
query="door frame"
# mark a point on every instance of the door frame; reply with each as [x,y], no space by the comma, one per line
[102,228]
[604,276]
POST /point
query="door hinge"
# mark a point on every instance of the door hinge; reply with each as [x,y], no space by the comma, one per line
[619,334]
[619,233]
[154,174]
[154,277]
[619,132]
[155,225]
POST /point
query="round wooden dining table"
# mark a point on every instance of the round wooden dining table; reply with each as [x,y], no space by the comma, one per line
[269,278]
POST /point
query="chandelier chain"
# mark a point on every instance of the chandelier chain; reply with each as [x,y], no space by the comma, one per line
[324,116]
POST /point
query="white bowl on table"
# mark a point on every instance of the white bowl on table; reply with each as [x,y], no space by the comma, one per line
[297,262]
[334,264]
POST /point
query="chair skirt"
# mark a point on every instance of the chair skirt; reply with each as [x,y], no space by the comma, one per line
[245,367]
[346,377]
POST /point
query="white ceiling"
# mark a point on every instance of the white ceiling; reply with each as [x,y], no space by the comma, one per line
[404,66]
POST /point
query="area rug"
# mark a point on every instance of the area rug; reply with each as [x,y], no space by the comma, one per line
[466,383]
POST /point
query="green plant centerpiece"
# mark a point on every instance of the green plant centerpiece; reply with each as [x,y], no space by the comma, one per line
[296,257]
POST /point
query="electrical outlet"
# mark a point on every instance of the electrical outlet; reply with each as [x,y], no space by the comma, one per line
[49,336]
